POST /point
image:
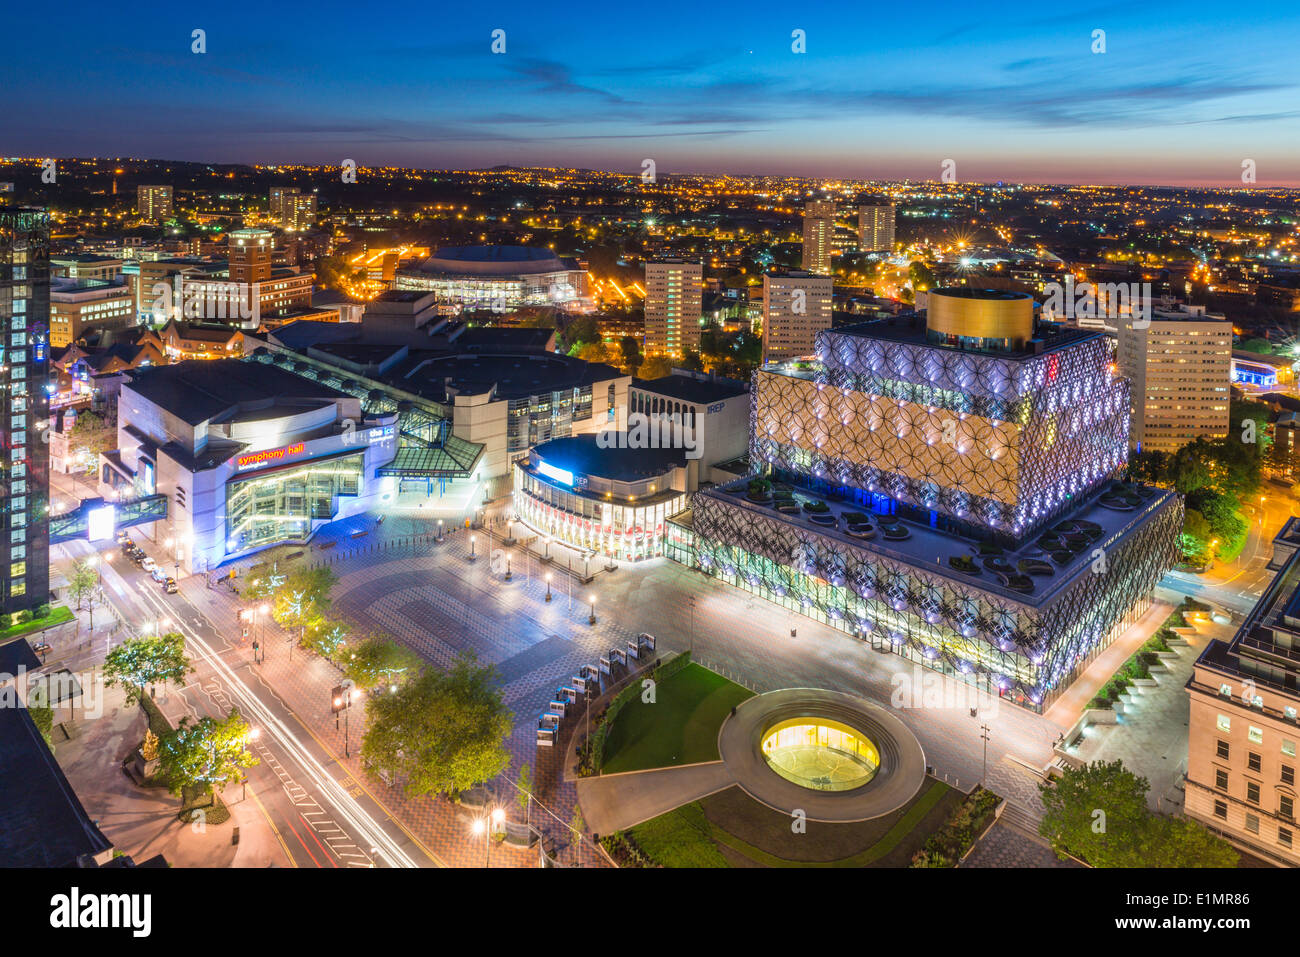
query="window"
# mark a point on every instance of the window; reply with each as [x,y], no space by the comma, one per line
[1252,792]
[1252,823]
[1224,723]
[1288,748]
[1221,809]
[1255,734]
[1252,760]
[1225,690]
[1290,713]
[1288,774]
[1221,779]
[1286,806]
[1284,836]
[1221,749]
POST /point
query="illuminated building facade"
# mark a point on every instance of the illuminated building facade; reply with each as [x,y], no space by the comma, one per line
[944,492]
[673,306]
[248,455]
[608,500]
[500,278]
[819,236]
[876,228]
[24,362]
[796,306]
[1245,720]
[1180,363]
[153,203]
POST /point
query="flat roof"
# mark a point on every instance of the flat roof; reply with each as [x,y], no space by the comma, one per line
[690,389]
[911,330]
[582,455]
[198,390]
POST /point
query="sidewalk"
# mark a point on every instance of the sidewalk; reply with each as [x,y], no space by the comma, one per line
[306,683]
[142,822]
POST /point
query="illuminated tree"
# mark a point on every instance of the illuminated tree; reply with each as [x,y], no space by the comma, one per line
[443,732]
[207,754]
[138,662]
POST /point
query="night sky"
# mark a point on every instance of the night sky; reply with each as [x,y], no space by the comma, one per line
[1010,91]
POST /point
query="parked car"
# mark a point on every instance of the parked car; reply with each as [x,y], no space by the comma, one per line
[169,585]
[157,575]
[147,563]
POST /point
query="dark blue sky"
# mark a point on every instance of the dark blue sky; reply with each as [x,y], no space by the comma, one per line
[1184,92]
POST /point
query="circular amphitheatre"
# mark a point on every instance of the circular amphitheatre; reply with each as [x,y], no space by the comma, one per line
[832,756]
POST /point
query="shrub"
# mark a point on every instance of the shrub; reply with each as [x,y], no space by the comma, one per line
[43,610]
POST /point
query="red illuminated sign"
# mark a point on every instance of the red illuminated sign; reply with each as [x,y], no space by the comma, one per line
[254,459]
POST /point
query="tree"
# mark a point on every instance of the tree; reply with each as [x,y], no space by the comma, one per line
[1099,813]
[377,661]
[444,731]
[82,582]
[592,352]
[92,434]
[525,797]
[1096,813]
[326,638]
[655,367]
[304,597]
[1182,842]
[920,275]
[137,662]
[206,754]
[630,349]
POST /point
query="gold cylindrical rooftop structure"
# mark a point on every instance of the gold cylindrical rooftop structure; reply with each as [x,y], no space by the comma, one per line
[989,314]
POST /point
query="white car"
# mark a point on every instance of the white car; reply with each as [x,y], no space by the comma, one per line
[149,564]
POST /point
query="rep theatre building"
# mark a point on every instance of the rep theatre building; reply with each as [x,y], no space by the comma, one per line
[248,456]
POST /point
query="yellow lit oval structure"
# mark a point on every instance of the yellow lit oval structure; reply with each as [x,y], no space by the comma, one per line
[820,754]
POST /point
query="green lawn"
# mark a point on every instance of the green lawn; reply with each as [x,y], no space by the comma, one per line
[730,828]
[57,616]
[681,727]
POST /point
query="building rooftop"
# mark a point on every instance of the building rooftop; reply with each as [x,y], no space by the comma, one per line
[929,549]
[688,388]
[202,390]
[1266,648]
[581,455]
[910,329]
[42,822]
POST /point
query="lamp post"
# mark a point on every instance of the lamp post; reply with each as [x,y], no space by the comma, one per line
[984,728]
[591,619]
[548,548]
[548,586]
[472,539]
[344,695]
[482,826]
[439,538]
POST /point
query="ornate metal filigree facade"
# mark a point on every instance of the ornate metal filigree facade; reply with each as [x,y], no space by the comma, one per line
[1003,443]
[1025,648]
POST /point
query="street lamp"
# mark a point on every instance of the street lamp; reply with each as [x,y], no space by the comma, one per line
[472,539]
[439,530]
[481,826]
[591,620]
[344,695]
[548,586]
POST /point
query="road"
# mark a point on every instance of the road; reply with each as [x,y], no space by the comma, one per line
[320,820]
[1237,585]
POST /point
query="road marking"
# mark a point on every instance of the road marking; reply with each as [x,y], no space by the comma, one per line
[274,830]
